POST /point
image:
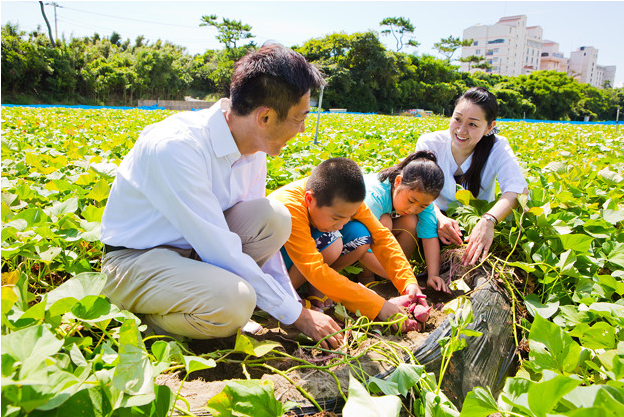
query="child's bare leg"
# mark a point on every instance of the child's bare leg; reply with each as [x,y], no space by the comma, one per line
[369,259]
[330,254]
[404,228]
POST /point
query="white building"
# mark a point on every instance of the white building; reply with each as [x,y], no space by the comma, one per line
[582,65]
[552,59]
[509,46]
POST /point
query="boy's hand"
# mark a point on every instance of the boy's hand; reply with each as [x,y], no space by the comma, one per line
[392,307]
[317,325]
[438,284]
[415,295]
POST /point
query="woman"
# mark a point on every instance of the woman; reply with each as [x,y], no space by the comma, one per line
[471,154]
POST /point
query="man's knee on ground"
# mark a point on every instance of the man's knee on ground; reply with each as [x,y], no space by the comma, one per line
[235,310]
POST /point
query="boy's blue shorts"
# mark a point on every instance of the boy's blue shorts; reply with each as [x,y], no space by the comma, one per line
[353,234]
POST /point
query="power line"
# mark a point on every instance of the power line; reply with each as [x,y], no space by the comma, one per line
[128,18]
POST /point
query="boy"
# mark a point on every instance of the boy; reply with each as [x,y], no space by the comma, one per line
[324,240]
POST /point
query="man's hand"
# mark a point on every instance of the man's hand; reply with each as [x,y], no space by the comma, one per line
[317,325]
[448,230]
[438,284]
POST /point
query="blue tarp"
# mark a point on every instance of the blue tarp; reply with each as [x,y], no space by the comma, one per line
[155,107]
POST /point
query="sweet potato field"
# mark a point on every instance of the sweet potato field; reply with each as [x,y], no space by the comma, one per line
[66,350]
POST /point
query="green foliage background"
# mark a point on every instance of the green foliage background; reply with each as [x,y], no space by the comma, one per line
[362,76]
[66,349]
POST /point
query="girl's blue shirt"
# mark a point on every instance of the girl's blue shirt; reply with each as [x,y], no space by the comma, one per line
[379,200]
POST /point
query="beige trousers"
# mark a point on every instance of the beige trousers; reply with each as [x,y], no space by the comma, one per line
[178,293]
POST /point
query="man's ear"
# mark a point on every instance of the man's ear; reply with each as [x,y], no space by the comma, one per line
[308,197]
[264,116]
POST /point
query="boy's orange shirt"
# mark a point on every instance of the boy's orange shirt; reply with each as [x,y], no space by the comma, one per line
[302,251]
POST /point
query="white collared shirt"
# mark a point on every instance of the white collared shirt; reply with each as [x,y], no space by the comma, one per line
[172,189]
[501,164]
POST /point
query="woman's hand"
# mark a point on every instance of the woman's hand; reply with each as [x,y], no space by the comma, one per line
[448,230]
[479,242]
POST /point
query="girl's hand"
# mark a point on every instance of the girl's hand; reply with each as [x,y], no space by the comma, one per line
[415,295]
[448,230]
[479,242]
[438,284]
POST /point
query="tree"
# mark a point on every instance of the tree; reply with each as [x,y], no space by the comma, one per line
[115,38]
[476,60]
[230,31]
[398,27]
[448,46]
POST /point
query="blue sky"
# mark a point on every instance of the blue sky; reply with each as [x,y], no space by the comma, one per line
[572,24]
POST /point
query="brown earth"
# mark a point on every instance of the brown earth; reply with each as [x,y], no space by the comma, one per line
[378,351]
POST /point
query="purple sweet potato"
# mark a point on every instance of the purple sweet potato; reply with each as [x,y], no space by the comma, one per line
[420,312]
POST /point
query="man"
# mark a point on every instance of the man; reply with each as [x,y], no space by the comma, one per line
[187,226]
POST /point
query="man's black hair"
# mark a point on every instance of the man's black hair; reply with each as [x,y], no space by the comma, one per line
[337,178]
[274,76]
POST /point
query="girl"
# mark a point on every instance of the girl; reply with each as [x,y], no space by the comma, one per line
[401,197]
[472,154]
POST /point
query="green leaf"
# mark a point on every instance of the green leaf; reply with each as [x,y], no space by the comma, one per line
[479,402]
[88,402]
[377,385]
[599,336]
[100,190]
[133,375]
[58,208]
[36,342]
[613,216]
[552,348]
[94,308]
[544,396]
[253,398]
[195,363]
[78,287]
[535,307]
[252,347]
[406,377]
[361,404]
[576,242]
[464,197]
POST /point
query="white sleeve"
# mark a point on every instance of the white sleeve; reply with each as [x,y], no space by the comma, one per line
[508,172]
[178,183]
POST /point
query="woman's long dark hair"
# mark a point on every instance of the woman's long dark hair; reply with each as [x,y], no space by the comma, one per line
[471,179]
[419,170]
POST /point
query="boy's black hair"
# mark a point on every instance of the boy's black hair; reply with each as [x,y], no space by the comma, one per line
[273,76]
[337,178]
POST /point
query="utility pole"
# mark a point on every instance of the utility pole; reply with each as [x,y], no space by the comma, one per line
[47,24]
[55,5]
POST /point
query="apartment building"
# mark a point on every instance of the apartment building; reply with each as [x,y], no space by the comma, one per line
[513,48]
[552,59]
[509,46]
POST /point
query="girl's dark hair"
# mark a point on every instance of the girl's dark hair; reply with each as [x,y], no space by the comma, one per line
[471,179]
[420,172]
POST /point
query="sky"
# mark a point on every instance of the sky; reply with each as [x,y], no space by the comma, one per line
[570,23]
